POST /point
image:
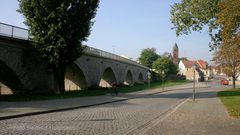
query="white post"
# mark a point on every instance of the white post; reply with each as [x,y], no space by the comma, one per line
[163,75]
[194,86]
[149,79]
[194,78]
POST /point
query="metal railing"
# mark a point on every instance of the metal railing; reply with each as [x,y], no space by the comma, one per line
[23,34]
[104,54]
[14,31]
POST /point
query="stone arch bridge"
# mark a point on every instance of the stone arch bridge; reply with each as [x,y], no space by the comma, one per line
[22,69]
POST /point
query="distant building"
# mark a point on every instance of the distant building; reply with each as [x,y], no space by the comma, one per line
[202,69]
[186,69]
[175,54]
[167,54]
[205,68]
[218,70]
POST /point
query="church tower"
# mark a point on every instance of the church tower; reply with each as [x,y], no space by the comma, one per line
[175,54]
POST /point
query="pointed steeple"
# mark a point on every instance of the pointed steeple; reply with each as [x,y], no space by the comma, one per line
[175,46]
[175,54]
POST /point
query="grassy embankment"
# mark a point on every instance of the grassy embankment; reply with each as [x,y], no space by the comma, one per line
[231,99]
[89,92]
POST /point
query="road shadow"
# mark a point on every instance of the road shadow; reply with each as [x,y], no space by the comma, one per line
[182,95]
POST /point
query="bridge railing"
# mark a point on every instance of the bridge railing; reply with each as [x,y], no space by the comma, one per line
[101,53]
[14,31]
[21,33]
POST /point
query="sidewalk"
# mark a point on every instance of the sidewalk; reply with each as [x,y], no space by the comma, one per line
[18,109]
[206,116]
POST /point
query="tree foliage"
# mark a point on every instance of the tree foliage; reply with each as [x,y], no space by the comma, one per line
[228,54]
[165,64]
[194,15]
[222,17]
[227,58]
[229,19]
[148,56]
[58,28]
[197,15]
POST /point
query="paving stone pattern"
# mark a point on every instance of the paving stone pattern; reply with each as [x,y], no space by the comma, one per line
[205,116]
[110,119]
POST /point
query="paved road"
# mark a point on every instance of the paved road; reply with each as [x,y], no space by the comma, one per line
[164,113]
[127,117]
[205,116]
[16,109]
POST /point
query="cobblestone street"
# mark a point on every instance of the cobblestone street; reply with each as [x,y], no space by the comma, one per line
[105,67]
[170,113]
[127,117]
[206,116]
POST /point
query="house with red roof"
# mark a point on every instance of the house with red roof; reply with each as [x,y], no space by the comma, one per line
[200,68]
[205,68]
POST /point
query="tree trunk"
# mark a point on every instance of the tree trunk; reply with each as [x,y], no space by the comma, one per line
[234,81]
[59,75]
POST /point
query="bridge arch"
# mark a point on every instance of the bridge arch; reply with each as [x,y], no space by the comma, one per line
[128,78]
[107,78]
[10,80]
[74,78]
[140,78]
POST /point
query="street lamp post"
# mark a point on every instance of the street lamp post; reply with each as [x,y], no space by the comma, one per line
[194,77]
[163,73]
[149,79]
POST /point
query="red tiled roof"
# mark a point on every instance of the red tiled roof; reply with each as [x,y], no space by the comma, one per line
[202,64]
[188,63]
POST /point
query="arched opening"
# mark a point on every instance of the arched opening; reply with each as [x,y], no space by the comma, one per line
[108,78]
[140,78]
[74,78]
[5,90]
[9,81]
[128,79]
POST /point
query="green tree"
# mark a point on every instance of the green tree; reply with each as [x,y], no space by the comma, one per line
[227,57]
[148,56]
[229,20]
[165,64]
[228,54]
[58,27]
[222,17]
[195,15]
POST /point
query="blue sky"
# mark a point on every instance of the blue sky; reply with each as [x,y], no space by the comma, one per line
[125,27]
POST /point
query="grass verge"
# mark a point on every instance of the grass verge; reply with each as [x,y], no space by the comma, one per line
[87,93]
[231,99]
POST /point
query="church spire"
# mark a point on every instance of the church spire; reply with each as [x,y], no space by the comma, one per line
[175,54]
[175,46]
